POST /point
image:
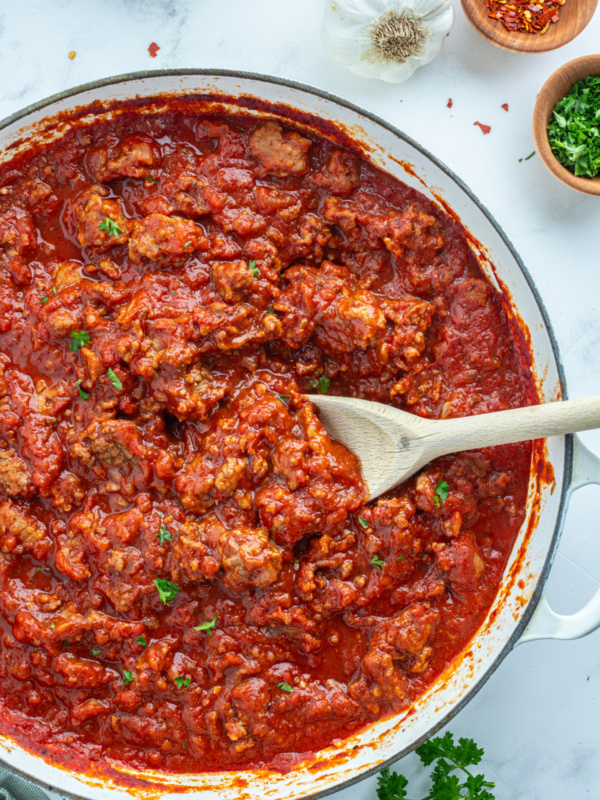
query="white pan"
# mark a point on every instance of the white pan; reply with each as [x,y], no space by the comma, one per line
[520,612]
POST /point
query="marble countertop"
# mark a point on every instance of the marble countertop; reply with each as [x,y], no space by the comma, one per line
[537,717]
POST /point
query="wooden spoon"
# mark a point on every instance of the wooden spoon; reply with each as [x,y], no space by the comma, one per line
[392,445]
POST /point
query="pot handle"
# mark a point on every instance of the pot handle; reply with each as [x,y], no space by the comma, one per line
[546,623]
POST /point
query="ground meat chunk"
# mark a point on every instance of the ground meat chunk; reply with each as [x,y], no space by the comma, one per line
[402,640]
[114,448]
[17,237]
[341,174]
[132,157]
[460,561]
[248,558]
[231,279]
[194,550]
[15,477]
[89,216]
[280,153]
[17,231]
[20,532]
[166,240]
[327,302]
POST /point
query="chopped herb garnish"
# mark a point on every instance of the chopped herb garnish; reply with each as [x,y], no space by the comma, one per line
[321,385]
[253,269]
[167,591]
[271,311]
[54,290]
[376,562]
[65,643]
[400,558]
[52,625]
[43,300]
[180,681]
[441,491]
[151,180]
[531,155]
[96,652]
[127,677]
[110,226]
[187,244]
[163,535]
[363,521]
[80,339]
[83,394]
[285,398]
[207,626]
[285,687]
[114,379]
[142,640]
[574,128]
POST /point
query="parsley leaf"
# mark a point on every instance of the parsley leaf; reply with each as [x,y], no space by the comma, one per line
[207,626]
[377,562]
[127,677]
[574,128]
[83,394]
[445,783]
[96,652]
[142,640]
[363,521]
[285,398]
[391,786]
[321,385]
[110,226]
[167,591]
[43,300]
[441,491]
[180,681]
[80,339]
[114,379]
[163,535]
[253,269]
[187,244]
[285,687]
[152,180]
[54,290]
[400,558]
[52,625]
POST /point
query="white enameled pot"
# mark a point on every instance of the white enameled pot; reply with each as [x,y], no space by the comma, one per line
[520,612]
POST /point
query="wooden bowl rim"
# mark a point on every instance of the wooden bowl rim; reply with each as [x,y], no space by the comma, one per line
[516,42]
[550,93]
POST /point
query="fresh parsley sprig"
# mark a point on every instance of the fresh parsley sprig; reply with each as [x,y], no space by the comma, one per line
[451,758]
[80,339]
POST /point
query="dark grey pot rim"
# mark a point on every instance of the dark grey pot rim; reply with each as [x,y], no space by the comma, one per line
[568,466]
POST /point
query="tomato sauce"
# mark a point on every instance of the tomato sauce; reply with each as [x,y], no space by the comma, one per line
[191,577]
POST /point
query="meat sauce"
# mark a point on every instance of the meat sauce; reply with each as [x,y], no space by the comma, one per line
[191,577]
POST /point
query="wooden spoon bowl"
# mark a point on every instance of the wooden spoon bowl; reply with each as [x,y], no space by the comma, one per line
[555,88]
[574,16]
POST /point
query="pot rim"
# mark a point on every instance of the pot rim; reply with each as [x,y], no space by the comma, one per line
[568,465]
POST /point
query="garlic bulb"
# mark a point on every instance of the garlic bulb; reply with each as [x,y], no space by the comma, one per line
[386,39]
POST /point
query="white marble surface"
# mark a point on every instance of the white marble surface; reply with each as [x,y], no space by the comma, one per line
[538,716]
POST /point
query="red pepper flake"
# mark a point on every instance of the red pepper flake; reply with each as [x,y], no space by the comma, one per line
[484,128]
[505,106]
[153,49]
[525,16]
[449,103]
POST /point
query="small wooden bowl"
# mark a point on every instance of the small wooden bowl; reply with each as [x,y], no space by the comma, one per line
[555,88]
[574,16]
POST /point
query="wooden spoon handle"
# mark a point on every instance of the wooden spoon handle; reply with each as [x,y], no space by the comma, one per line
[514,425]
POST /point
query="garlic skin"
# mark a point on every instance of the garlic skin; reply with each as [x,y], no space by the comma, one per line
[386,39]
